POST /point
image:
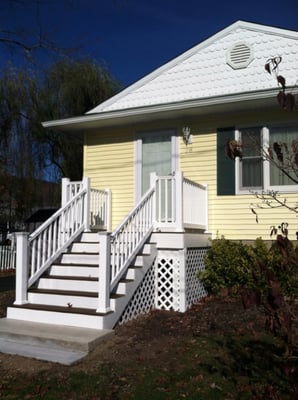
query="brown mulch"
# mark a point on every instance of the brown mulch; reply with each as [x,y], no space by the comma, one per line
[150,336]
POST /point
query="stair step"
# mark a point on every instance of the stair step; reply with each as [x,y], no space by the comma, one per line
[68,283]
[74,270]
[80,258]
[88,237]
[64,292]
[57,316]
[62,298]
[70,299]
[47,307]
[84,247]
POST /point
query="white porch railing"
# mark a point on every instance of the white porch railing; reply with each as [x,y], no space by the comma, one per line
[99,207]
[180,203]
[195,205]
[36,252]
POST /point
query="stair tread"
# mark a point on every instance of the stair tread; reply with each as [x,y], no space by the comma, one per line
[70,310]
[56,264]
[80,253]
[71,293]
[70,278]
[64,292]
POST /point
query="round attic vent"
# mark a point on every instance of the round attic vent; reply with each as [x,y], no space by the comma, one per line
[239,56]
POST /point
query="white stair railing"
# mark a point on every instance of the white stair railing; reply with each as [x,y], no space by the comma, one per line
[44,245]
[100,209]
[118,250]
[130,236]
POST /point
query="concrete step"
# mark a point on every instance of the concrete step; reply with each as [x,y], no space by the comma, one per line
[60,344]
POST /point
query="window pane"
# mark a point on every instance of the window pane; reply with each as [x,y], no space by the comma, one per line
[251,142]
[284,138]
[252,163]
[252,175]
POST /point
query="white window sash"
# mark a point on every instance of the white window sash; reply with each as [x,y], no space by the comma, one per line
[265,132]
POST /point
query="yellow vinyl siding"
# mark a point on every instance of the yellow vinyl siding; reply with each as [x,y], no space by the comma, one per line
[230,216]
[109,162]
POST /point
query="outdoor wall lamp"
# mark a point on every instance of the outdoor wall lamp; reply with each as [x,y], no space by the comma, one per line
[187,138]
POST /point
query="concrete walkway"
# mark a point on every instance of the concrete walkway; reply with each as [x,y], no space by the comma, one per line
[61,344]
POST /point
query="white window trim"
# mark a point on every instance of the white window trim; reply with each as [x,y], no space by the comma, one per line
[266,171]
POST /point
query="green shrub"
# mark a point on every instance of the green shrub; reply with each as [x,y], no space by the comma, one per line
[265,277]
[227,266]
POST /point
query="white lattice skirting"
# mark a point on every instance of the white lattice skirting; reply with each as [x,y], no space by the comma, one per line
[170,284]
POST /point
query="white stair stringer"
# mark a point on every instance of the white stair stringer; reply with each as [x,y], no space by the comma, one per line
[68,293]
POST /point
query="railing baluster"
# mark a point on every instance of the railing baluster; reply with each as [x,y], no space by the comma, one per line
[56,233]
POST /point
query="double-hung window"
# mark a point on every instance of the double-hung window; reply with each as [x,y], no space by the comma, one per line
[254,171]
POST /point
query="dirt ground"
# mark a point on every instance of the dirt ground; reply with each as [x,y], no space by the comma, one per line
[149,336]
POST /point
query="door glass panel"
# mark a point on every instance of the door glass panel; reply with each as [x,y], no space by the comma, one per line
[156,156]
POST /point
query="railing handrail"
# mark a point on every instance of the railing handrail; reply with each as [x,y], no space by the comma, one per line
[132,212]
[140,239]
[41,259]
[193,183]
[53,217]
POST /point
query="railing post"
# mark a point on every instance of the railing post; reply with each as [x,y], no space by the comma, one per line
[21,268]
[86,204]
[179,201]
[104,272]
[153,179]
[109,210]
[64,191]
[206,208]
[182,281]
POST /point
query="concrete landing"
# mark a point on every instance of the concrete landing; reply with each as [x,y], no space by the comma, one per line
[61,344]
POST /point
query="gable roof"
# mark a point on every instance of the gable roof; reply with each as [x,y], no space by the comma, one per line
[203,71]
[207,74]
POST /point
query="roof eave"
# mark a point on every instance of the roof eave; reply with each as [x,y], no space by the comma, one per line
[141,114]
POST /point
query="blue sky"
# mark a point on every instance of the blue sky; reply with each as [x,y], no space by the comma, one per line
[134,37]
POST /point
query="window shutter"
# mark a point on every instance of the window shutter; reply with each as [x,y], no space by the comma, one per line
[225,166]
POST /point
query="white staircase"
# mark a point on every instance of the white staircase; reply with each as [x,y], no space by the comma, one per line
[67,293]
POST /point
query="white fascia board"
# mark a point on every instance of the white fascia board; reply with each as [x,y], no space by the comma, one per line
[96,120]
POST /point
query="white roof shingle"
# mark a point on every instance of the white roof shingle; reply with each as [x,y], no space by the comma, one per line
[203,71]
